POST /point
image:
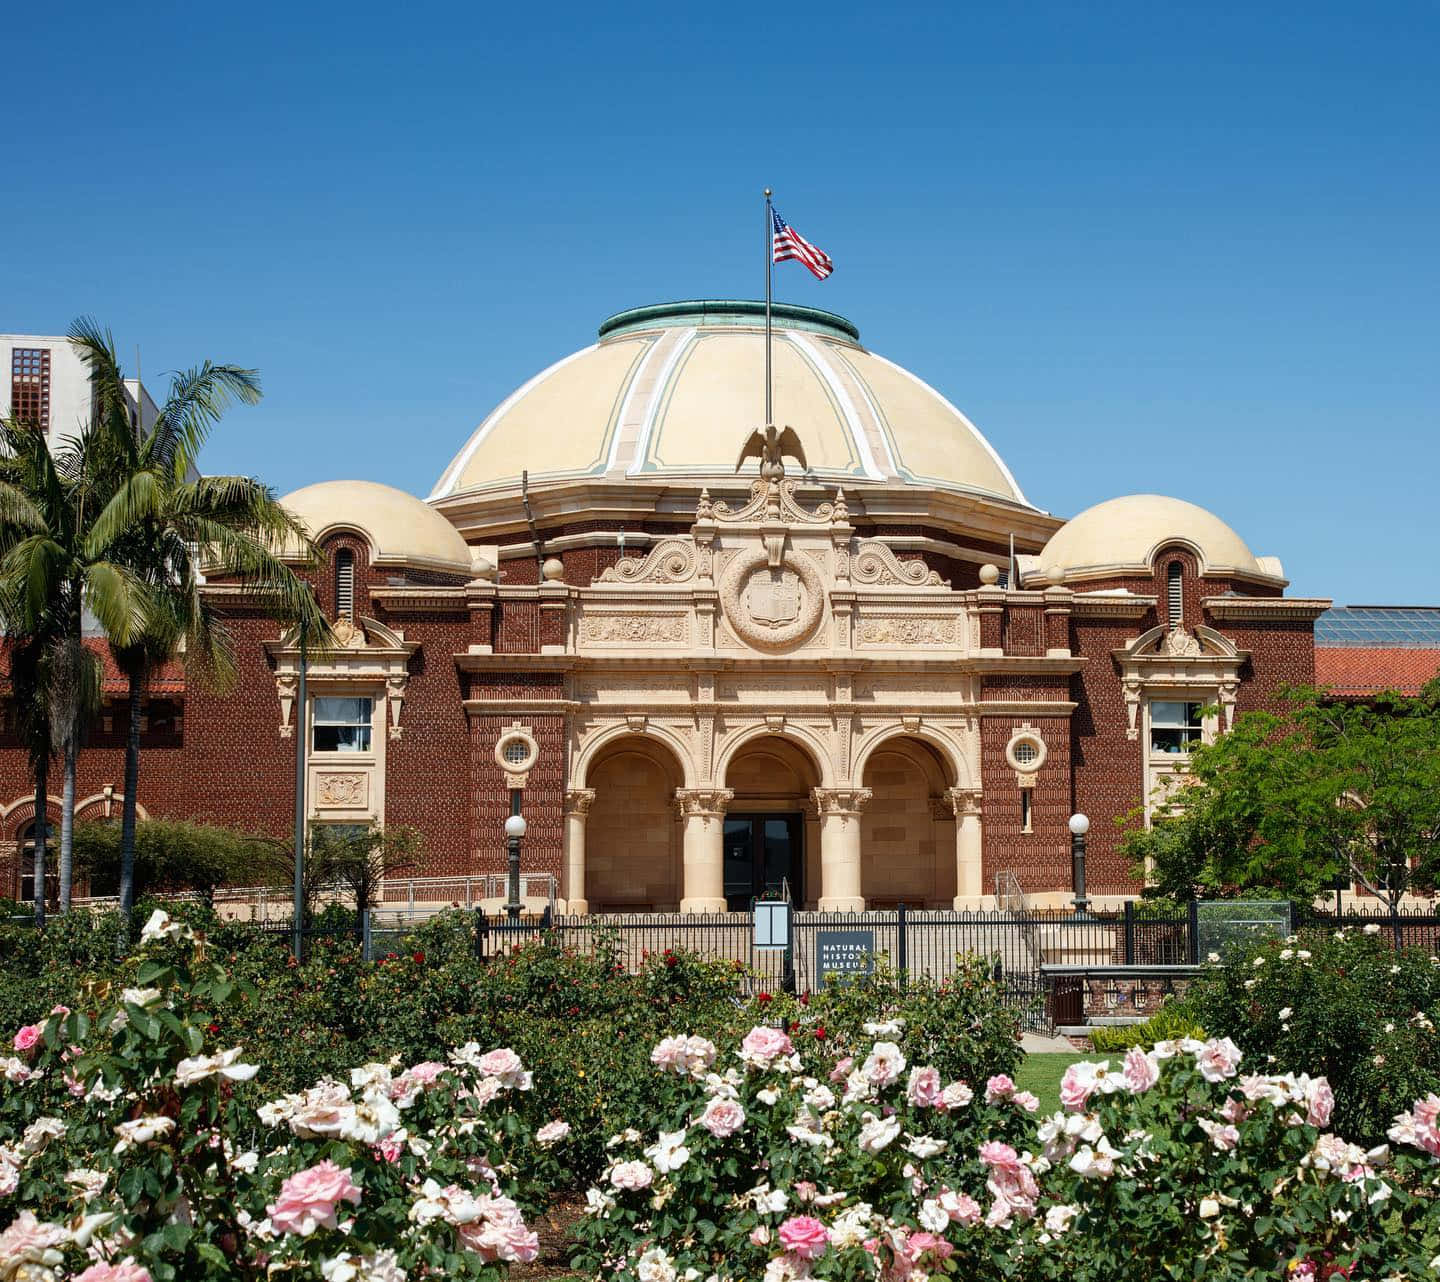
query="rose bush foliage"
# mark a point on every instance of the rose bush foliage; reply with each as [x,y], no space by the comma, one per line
[1345,1004]
[775,1161]
[135,1145]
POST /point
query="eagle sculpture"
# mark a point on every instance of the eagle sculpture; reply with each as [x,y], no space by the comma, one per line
[768,445]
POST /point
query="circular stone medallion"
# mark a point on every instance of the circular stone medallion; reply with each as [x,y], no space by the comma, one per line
[772,608]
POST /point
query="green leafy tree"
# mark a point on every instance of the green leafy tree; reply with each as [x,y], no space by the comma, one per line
[171,855]
[1287,803]
[160,520]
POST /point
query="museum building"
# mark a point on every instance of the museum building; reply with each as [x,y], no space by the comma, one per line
[864,665]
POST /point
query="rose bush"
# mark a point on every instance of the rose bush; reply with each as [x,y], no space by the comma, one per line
[1345,1004]
[132,1148]
[774,1160]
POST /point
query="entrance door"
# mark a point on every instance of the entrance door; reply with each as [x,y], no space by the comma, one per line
[762,852]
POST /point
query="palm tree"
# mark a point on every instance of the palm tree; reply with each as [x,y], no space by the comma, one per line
[160,520]
[30,676]
[52,568]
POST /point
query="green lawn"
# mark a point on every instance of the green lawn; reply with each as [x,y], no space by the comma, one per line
[1041,1073]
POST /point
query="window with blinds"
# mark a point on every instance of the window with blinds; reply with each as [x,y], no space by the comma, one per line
[30,386]
[1174,593]
[345,584]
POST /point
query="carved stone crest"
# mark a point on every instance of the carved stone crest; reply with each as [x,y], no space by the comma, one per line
[773,598]
[772,609]
[346,790]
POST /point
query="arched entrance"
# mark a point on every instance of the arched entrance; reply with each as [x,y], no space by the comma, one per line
[907,830]
[632,842]
[771,836]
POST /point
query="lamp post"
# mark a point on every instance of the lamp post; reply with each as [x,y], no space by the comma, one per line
[302,728]
[1079,826]
[514,832]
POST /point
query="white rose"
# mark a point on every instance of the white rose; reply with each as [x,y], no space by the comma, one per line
[1209,1208]
[933,1216]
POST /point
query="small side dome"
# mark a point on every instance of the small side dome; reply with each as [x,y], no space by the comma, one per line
[1121,537]
[402,530]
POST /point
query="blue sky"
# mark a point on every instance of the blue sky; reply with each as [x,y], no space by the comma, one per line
[1186,248]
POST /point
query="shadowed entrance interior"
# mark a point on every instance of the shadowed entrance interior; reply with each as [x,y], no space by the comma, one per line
[771,831]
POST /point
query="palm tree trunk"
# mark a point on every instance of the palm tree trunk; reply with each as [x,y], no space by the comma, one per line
[132,787]
[67,819]
[42,807]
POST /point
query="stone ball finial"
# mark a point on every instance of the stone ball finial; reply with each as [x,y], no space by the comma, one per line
[989,574]
[1055,576]
[482,568]
[553,570]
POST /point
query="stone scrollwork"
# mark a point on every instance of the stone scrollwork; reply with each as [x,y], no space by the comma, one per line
[841,801]
[906,632]
[670,561]
[704,803]
[876,564]
[777,499]
[579,800]
[653,628]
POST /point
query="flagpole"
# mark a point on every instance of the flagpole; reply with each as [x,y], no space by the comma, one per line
[769,264]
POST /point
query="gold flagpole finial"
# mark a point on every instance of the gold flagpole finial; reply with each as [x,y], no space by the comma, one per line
[768,193]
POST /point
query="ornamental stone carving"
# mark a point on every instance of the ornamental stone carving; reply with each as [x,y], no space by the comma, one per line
[670,561]
[772,608]
[347,791]
[579,800]
[876,564]
[662,629]
[841,801]
[907,632]
[703,803]
[1179,644]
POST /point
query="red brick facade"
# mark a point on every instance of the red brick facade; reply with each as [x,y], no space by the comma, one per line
[220,756]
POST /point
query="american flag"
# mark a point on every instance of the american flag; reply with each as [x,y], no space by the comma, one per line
[789,243]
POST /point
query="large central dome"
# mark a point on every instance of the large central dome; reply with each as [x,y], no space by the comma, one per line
[669,393]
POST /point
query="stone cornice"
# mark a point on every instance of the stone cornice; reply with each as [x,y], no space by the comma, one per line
[397,599]
[509,706]
[1097,605]
[1296,609]
[1055,665]
[1025,707]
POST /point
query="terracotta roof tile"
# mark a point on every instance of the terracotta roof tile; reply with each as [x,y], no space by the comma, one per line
[1359,670]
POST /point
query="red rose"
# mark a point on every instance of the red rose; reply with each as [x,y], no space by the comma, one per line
[671,960]
[820,1033]
[417,958]
[762,998]
[212,1028]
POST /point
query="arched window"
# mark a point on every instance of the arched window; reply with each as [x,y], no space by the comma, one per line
[345,584]
[1175,594]
[26,841]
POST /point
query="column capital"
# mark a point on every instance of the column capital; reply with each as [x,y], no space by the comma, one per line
[579,800]
[964,801]
[841,801]
[703,802]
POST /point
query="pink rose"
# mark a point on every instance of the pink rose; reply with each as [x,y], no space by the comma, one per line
[956,1095]
[999,1156]
[1218,1059]
[631,1176]
[722,1117]
[960,1207]
[924,1089]
[1026,1100]
[505,1067]
[1319,1101]
[389,1149]
[124,1271]
[842,1069]
[760,1235]
[1000,1087]
[552,1133]
[763,1045]
[29,1037]
[1141,1072]
[1077,1085]
[921,1244]
[804,1237]
[309,1199]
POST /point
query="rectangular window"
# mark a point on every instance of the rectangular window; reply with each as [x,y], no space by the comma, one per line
[1175,726]
[1025,823]
[30,386]
[341,724]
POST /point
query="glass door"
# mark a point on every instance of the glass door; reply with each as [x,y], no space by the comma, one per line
[762,854]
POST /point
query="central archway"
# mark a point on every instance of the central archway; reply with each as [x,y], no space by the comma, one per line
[907,833]
[771,829]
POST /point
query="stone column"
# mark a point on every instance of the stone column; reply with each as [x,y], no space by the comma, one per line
[703,810]
[577,808]
[969,848]
[840,848]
